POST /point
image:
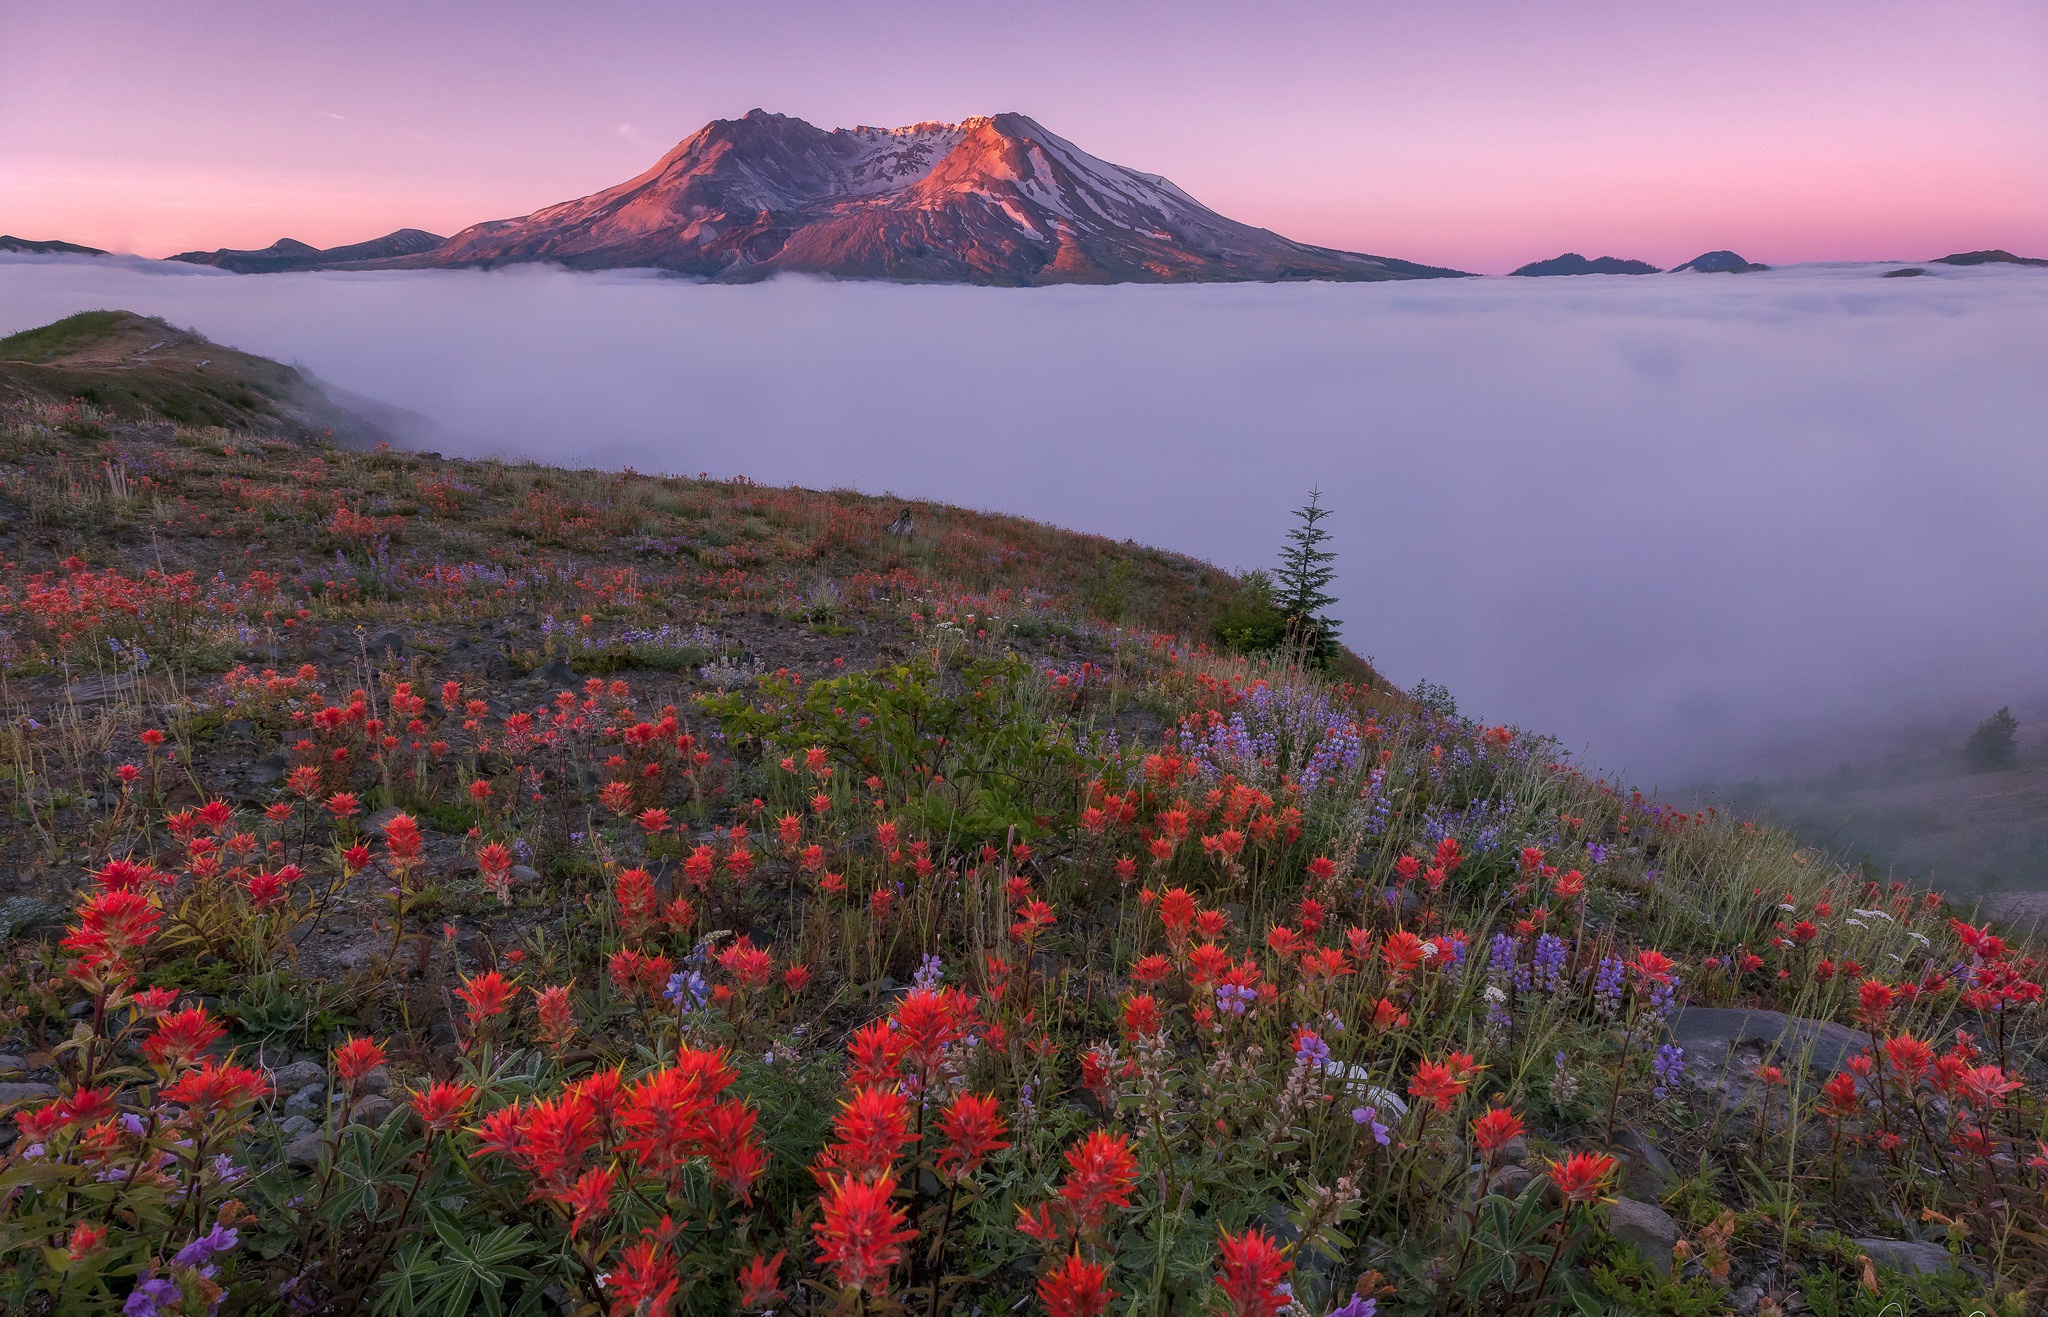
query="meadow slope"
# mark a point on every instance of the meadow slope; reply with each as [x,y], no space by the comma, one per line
[449,886]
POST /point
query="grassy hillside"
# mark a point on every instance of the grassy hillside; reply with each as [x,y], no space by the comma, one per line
[448,887]
[1913,805]
[133,367]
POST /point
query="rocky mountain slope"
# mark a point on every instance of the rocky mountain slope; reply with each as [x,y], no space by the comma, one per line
[1719,262]
[291,254]
[1573,263]
[45,247]
[994,200]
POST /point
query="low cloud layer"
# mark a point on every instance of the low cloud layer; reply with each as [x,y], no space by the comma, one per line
[1679,521]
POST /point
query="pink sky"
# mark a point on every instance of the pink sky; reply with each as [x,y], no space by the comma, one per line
[1479,135]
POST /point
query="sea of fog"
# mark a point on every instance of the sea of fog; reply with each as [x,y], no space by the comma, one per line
[1682,522]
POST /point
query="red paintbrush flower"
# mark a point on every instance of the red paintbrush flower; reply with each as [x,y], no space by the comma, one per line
[869,1133]
[182,1037]
[590,1198]
[442,1104]
[860,1236]
[1495,1129]
[111,924]
[357,1057]
[217,1088]
[1439,1084]
[1582,1176]
[1984,1087]
[1101,1170]
[732,1149]
[1141,1017]
[1252,1268]
[557,1023]
[759,1287]
[487,995]
[643,1284]
[875,1054]
[972,1128]
[1076,1288]
[1153,969]
[402,839]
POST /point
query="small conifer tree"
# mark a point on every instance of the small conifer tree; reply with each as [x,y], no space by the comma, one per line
[1304,582]
[1994,745]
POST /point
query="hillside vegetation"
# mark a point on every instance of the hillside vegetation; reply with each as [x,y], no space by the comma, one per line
[449,887]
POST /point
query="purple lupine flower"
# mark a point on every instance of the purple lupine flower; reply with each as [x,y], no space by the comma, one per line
[151,1296]
[1359,1306]
[1596,852]
[1552,952]
[1310,1049]
[1663,996]
[1500,957]
[1669,1067]
[929,971]
[199,1254]
[1607,985]
[1371,1116]
[1232,998]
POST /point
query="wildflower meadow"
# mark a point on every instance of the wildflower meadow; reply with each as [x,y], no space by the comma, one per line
[454,887]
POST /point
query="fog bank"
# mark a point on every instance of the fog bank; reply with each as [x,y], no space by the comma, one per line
[1675,520]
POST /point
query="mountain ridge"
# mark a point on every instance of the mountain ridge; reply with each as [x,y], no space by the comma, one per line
[993,199]
[291,254]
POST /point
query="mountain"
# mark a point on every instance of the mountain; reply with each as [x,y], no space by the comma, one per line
[1722,262]
[1992,257]
[1573,263]
[992,200]
[291,254]
[141,368]
[45,247]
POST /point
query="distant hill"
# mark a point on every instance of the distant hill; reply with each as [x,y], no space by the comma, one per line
[1573,263]
[291,254]
[1906,801]
[1992,257]
[1719,262]
[141,368]
[995,199]
[45,247]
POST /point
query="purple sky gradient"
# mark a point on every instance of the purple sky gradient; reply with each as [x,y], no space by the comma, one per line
[1479,135]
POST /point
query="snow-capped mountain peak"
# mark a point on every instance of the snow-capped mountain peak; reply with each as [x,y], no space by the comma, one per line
[991,199]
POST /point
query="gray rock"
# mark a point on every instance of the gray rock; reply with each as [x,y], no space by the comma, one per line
[1716,1038]
[10,1063]
[298,1075]
[1510,1181]
[1515,1151]
[1648,1227]
[269,770]
[1648,1173]
[1745,1299]
[371,1110]
[303,1152]
[375,1080]
[376,823]
[555,672]
[1915,1257]
[390,645]
[25,914]
[294,1125]
[26,1092]
[524,876]
[306,1099]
